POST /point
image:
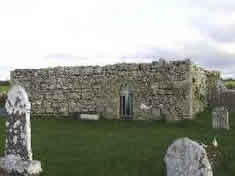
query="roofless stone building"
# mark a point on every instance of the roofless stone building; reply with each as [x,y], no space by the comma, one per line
[172,90]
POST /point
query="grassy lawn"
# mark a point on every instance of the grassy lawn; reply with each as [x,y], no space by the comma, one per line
[230,84]
[119,148]
[3,88]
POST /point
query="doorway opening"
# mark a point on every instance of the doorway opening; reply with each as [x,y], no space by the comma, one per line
[126,103]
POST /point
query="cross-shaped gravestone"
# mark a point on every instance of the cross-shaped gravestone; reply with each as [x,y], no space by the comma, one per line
[18,153]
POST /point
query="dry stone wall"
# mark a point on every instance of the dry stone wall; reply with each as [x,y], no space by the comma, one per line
[165,87]
[224,97]
[199,79]
[210,91]
[204,92]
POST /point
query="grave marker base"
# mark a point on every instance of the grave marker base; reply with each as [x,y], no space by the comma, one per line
[15,166]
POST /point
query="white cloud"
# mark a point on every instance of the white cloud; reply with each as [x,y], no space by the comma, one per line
[44,33]
[5,72]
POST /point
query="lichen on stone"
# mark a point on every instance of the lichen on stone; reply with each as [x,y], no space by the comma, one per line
[17,101]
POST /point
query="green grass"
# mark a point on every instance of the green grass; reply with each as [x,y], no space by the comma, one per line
[230,84]
[119,148]
[4,88]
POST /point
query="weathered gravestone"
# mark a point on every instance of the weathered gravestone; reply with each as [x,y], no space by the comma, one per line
[18,153]
[220,117]
[187,158]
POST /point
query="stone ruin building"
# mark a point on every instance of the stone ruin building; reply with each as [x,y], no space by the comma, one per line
[172,90]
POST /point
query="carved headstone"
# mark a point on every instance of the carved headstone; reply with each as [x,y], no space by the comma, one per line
[187,158]
[18,138]
[220,117]
[18,152]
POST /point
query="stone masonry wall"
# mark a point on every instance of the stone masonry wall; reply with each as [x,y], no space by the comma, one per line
[224,97]
[199,79]
[164,87]
[204,84]
[213,94]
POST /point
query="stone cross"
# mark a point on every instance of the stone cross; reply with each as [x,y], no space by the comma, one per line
[187,158]
[220,117]
[18,138]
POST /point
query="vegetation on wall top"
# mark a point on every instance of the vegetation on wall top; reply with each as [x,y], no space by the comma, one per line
[229,83]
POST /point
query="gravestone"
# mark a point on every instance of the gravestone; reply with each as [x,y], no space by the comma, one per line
[187,158]
[18,153]
[220,117]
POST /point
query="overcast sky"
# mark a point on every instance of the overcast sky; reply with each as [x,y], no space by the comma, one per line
[47,33]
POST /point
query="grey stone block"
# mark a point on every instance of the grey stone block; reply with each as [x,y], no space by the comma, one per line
[14,165]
